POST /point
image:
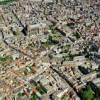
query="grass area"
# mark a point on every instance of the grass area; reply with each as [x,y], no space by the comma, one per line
[4,59]
[98,86]
[64,98]
[34,97]
[55,35]
[41,89]
[53,39]
[47,44]
[20,94]
[4,2]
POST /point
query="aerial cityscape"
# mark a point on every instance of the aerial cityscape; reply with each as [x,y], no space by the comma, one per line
[49,49]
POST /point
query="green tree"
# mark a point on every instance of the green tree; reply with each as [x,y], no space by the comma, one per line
[87,94]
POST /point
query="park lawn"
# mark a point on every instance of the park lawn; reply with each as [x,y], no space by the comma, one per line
[4,2]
